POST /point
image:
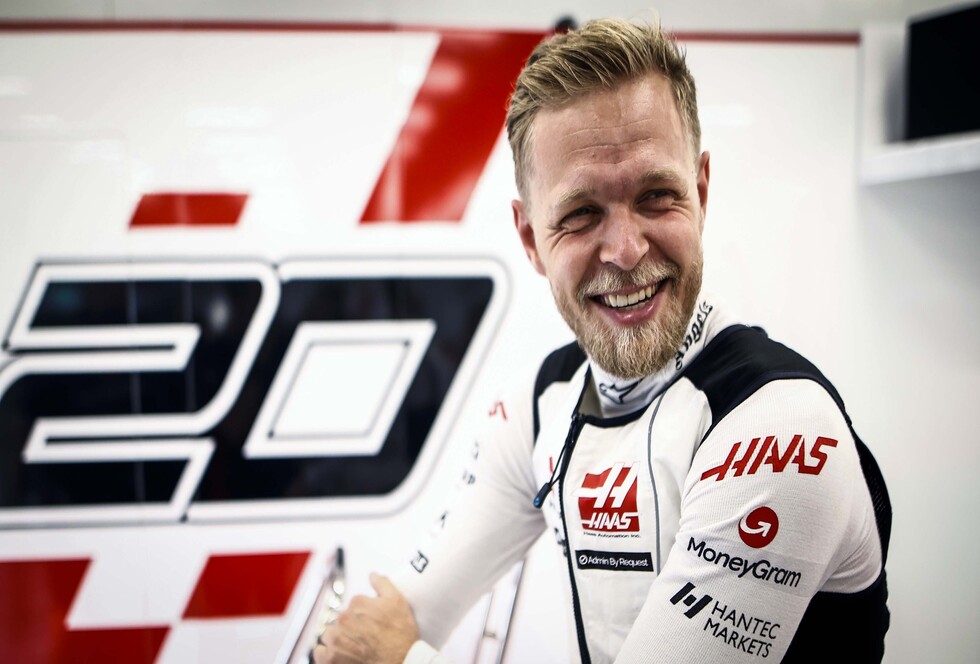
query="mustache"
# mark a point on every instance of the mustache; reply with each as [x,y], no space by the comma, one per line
[613,279]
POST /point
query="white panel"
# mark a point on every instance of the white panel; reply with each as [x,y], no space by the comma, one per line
[879,288]
[339,388]
[364,369]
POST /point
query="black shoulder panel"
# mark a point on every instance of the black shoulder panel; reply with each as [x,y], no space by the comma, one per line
[742,359]
[879,494]
[843,627]
[559,366]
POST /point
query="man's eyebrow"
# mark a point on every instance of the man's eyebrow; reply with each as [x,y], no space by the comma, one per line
[573,195]
[664,175]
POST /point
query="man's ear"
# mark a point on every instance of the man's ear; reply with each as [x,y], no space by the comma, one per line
[526,232]
[704,174]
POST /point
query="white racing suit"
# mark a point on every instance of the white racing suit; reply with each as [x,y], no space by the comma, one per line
[731,516]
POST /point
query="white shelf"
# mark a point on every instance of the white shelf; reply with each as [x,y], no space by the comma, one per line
[883,156]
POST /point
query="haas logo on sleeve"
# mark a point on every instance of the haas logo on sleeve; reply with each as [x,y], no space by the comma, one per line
[607,501]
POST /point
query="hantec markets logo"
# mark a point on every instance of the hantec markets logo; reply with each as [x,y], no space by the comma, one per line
[607,501]
[690,600]
[750,634]
[759,527]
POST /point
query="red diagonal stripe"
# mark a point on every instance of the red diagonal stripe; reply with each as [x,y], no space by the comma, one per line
[35,597]
[451,128]
[234,586]
[196,209]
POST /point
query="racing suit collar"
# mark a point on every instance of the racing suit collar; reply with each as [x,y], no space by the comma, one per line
[618,396]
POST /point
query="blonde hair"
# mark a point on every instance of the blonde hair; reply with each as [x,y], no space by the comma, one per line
[599,56]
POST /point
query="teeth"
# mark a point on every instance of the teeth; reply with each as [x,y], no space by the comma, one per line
[621,301]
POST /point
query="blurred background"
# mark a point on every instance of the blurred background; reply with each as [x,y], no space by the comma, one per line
[259,285]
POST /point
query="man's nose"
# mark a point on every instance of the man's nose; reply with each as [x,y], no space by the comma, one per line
[622,241]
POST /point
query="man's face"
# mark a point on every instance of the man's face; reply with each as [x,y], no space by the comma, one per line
[614,221]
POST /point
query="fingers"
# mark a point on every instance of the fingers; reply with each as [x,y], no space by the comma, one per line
[383,586]
[325,651]
[336,645]
[375,630]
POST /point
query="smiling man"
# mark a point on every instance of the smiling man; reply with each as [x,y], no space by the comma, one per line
[612,214]
[708,496]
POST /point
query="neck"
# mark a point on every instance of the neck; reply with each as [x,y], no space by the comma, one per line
[619,396]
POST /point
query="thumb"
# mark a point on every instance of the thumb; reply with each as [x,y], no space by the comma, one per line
[383,586]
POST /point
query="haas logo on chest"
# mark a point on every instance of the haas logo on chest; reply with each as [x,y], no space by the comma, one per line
[607,500]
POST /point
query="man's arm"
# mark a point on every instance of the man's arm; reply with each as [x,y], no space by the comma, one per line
[775,510]
[485,528]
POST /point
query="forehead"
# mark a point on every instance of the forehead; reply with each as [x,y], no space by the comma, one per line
[610,132]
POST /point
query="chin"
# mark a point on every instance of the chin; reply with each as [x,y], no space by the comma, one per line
[635,352]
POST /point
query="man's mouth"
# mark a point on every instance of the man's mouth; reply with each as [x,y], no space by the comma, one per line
[629,301]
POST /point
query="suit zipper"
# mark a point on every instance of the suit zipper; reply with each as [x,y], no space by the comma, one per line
[573,432]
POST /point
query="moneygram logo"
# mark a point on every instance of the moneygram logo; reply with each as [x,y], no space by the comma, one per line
[759,527]
[607,501]
[763,569]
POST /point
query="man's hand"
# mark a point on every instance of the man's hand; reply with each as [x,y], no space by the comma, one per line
[372,630]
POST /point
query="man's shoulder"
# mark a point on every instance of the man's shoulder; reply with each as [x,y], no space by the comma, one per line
[559,366]
[742,359]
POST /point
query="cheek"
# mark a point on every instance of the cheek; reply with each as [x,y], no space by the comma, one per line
[567,259]
[681,244]
[575,268]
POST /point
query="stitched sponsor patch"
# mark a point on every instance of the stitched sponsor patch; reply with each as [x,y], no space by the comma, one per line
[614,560]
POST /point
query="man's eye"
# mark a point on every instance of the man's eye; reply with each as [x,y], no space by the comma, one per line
[578,219]
[658,199]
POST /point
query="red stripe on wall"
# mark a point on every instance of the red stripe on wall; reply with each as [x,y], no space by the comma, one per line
[189,209]
[98,25]
[451,129]
[234,586]
[122,645]
[34,603]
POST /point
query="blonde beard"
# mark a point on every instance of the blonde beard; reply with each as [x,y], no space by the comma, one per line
[635,351]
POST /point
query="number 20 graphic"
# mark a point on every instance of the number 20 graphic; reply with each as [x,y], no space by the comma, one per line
[209,391]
